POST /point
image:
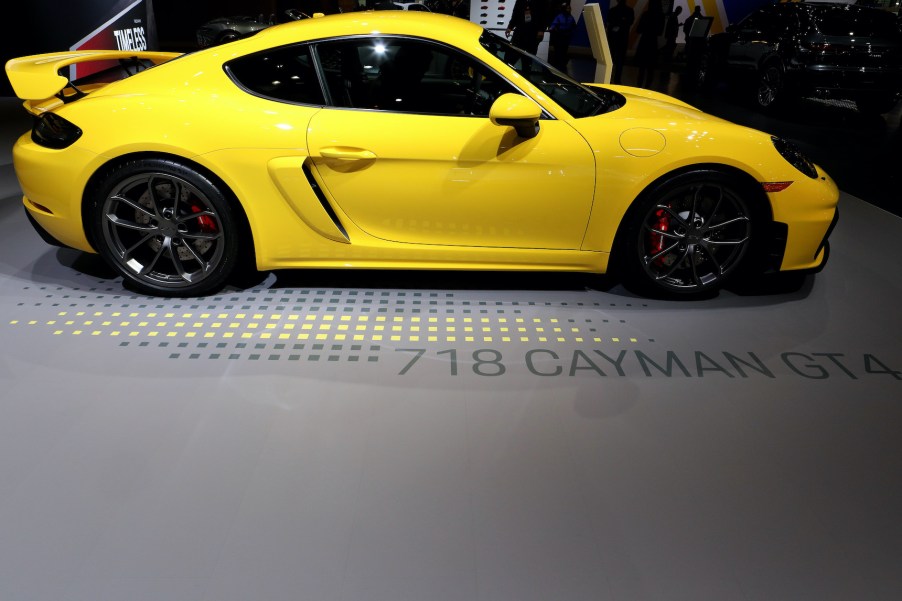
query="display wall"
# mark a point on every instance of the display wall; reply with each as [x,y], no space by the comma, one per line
[50,26]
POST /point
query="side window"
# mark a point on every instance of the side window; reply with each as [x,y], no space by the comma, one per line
[755,23]
[285,74]
[409,76]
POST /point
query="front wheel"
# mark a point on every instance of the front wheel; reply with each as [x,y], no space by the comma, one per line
[167,229]
[877,104]
[771,86]
[688,236]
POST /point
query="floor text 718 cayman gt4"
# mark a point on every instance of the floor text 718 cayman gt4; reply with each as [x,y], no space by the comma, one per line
[402,140]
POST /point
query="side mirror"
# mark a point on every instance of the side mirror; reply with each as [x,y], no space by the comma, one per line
[516,111]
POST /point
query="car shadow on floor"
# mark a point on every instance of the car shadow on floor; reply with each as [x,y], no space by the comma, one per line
[767,289]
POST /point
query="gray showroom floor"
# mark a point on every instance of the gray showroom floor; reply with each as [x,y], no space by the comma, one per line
[352,437]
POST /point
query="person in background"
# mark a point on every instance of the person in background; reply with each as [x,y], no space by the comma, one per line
[527,25]
[687,26]
[651,25]
[671,30]
[460,9]
[561,29]
[619,20]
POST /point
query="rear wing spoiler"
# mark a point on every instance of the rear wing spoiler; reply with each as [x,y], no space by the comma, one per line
[38,77]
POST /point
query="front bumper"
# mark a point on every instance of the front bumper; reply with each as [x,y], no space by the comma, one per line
[804,216]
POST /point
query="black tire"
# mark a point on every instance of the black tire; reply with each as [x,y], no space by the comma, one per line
[771,86]
[704,75]
[688,236]
[166,228]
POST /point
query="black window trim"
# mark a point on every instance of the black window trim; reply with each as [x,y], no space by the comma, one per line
[324,88]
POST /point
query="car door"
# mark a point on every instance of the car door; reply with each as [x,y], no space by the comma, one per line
[407,152]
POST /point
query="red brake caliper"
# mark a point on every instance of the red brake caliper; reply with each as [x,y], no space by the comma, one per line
[657,240]
[206,224]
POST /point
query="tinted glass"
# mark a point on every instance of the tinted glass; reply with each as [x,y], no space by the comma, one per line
[575,98]
[763,21]
[751,22]
[285,74]
[407,75]
[843,21]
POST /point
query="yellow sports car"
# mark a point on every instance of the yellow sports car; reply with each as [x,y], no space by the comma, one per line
[401,140]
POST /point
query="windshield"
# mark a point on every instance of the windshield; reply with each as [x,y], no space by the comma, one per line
[575,98]
[843,21]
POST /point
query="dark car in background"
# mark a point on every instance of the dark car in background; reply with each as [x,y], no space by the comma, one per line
[226,29]
[821,50]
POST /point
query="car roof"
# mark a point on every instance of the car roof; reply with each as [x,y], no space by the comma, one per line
[416,23]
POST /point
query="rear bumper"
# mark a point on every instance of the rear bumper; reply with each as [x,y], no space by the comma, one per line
[54,202]
[850,82]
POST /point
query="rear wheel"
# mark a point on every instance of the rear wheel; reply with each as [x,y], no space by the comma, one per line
[689,236]
[227,36]
[167,229]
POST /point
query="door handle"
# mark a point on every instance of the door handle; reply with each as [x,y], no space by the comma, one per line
[346,153]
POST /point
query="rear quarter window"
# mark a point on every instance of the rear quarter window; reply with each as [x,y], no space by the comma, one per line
[284,74]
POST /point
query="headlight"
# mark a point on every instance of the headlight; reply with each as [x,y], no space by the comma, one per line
[794,156]
[52,131]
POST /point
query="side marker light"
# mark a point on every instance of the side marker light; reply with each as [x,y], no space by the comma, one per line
[775,186]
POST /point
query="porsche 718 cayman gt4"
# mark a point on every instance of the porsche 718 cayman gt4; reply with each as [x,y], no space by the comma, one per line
[401,140]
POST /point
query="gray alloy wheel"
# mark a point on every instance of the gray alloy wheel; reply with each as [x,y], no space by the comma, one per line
[690,236]
[167,229]
[770,85]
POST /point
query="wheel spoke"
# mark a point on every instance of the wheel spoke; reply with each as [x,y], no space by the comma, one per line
[741,218]
[153,263]
[666,234]
[673,214]
[201,236]
[653,258]
[196,215]
[119,222]
[693,210]
[154,198]
[695,278]
[727,242]
[713,259]
[177,263]
[717,204]
[204,266]
[133,204]
[127,253]
[674,267]
[176,195]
